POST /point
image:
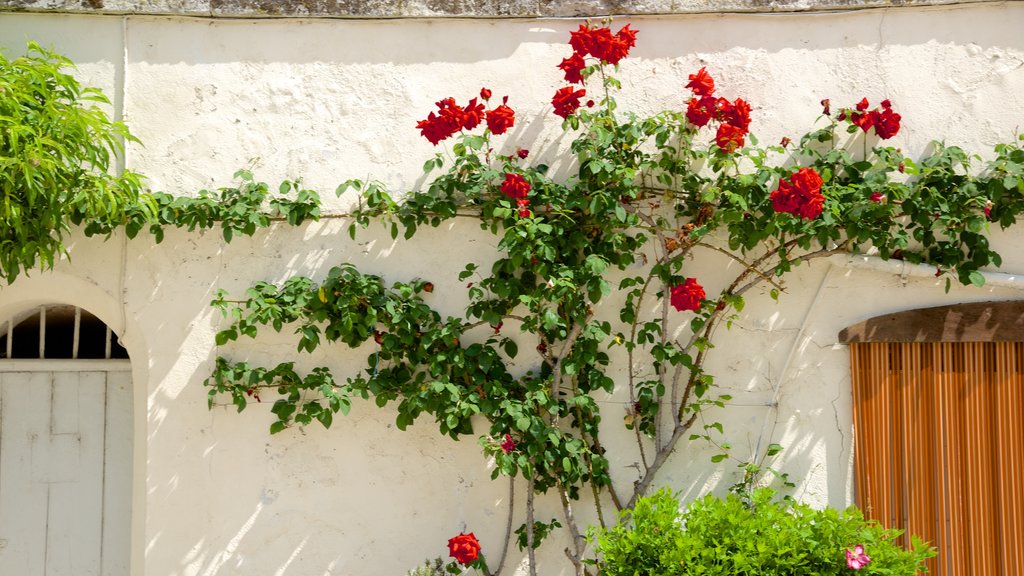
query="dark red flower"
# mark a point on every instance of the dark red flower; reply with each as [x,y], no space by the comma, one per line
[877,197]
[465,548]
[485,93]
[785,141]
[472,115]
[825,107]
[699,112]
[886,122]
[573,67]
[522,153]
[729,138]
[602,44]
[500,119]
[448,121]
[515,186]
[566,101]
[702,83]
[524,207]
[800,194]
[738,114]
[508,444]
[627,35]
[687,296]
[862,105]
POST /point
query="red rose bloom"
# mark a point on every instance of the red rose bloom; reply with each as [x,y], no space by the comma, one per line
[522,153]
[701,83]
[573,66]
[500,119]
[886,122]
[515,186]
[602,44]
[699,112]
[738,114]
[437,127]
[800,195]
[508,445]
[465,548]
[863,105]
[566,101]
[472,115]
[485,93]
[627,36]
[729,137]
[524,207]
[687,296]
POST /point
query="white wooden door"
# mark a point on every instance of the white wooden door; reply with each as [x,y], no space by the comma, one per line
[65,471]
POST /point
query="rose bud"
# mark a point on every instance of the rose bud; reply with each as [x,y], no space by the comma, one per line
[522,153]
[825,105]
[428,287]
[785,141]
[485,93]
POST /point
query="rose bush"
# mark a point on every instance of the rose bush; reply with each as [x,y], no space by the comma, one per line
[647,195]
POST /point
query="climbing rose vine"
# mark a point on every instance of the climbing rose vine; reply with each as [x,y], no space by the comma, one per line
[646,198]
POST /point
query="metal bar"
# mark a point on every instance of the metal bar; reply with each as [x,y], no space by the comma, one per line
[10,337]
[106,353]
[42,332]
[78,330]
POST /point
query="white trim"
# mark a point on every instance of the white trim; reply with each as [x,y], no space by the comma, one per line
[64,365]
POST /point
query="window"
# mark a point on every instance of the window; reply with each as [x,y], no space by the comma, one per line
[938,411]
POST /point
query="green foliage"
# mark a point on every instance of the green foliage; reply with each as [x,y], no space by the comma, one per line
[435,567]
[752,535]
[57,149]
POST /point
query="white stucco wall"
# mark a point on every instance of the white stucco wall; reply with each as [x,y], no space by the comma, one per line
[328,100]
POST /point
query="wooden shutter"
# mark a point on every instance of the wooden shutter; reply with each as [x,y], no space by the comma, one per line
[939,440]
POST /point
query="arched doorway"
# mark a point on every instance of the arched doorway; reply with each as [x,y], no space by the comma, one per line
[65,445]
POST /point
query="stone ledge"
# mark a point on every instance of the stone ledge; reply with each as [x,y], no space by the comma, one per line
[446,8]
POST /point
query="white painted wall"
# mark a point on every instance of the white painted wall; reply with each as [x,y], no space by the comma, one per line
[328,100]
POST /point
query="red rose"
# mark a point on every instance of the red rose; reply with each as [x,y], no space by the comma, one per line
[862,105]
[508,444]
[687,296]
[485,93]
[738,114]
[465,548]
[825,107]
[573,66]
[522,153]
[515,186]
[472,115]
[886,122]
[800,195]
[701,83]
[877,197]
[699,112]
[729,137]
[602,44]
[524,207]
[627,35]
[580,40]
[437,127]
[566,101]
[500,119]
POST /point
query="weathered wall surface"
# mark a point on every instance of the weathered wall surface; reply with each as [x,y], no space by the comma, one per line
[441,8]
[328,100]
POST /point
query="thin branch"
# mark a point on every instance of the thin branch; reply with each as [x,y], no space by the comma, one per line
[530,552]
[508,525]
[570,341]
[578,542]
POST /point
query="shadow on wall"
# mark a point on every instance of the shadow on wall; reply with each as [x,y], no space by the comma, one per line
[471,41]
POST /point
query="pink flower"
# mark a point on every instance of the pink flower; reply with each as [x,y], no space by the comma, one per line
[877,197]
[508,444]
[857,559]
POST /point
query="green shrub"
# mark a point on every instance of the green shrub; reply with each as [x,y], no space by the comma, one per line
[56,150]
[752,535]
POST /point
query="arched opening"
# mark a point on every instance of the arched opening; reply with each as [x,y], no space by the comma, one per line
[65,445]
